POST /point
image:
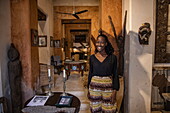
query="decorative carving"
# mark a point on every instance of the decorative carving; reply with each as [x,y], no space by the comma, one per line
[144,34]
[14,71]
[161,31]
[120,41]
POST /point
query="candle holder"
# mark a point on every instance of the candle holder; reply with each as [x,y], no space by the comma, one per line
[64,84]
[49,93]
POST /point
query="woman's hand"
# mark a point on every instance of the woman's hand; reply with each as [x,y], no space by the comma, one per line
[113,97]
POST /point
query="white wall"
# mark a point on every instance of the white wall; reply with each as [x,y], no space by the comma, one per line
[46,28]
[139,58]
[5,40]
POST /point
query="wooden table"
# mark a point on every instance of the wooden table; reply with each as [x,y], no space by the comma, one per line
[79,66]
[55,98]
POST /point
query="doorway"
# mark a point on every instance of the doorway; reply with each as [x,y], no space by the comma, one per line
[76,33]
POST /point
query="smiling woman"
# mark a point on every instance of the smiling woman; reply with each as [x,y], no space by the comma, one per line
[103,80]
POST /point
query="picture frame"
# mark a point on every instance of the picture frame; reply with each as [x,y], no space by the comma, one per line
[64,101]
[51,41]
[34,37]
[38,100]
[56,43]
[42,41]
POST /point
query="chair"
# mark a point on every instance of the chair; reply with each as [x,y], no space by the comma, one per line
[58,64]
[3,101]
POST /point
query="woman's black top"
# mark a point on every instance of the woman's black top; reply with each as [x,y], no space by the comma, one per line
[106,68]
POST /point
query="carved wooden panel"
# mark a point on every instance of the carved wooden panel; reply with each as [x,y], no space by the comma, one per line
[161,56]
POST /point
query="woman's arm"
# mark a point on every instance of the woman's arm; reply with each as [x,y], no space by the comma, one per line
[115,77]
[90,71]
[115,80]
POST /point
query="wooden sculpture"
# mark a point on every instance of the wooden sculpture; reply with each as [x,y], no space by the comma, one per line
[14,71]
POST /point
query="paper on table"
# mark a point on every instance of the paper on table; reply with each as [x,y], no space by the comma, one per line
[38,100]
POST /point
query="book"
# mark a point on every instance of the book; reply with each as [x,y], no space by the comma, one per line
[38,100]
[64,101]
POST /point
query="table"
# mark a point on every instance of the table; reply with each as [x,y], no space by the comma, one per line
[79,66]
[54,99]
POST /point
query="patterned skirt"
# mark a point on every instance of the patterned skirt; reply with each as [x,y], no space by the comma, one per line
[100,90]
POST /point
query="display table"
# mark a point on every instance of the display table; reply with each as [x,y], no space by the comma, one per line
[55,98]
[79,66]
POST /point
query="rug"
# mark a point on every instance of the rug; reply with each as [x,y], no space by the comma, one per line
[48,109]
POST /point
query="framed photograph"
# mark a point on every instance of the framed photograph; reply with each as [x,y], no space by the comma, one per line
[64,101]
[51,42]
[38,100]
[42,41]
[56,43]
[34,37]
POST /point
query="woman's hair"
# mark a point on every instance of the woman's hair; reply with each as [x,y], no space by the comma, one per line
[108,48]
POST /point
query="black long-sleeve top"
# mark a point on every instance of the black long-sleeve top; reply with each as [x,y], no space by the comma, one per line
[106,68]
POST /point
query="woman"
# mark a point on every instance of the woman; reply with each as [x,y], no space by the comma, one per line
[103,81]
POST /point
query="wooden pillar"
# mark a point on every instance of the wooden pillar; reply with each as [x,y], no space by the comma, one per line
[23,19]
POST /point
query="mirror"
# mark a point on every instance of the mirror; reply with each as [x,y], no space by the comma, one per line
[162,39]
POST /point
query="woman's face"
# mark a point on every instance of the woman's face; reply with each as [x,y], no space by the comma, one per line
[101,44]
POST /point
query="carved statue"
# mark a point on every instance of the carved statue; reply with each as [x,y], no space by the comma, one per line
[14,71]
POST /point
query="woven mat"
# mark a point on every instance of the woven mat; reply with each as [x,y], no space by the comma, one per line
[47,109]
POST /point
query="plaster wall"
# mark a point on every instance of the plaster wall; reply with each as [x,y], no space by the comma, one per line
[22,21]
[5,40]
[46,28]
[139,57]
[76,2]
[112,8]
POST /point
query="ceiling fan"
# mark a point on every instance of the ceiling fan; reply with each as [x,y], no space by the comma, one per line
[75,14]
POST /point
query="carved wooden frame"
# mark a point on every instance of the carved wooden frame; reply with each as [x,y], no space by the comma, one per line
[161,31]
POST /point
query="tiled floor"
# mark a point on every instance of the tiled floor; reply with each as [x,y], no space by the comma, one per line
[74,85]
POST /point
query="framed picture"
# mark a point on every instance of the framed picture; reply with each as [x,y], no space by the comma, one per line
[51,42]
[34,37]
[42,41]
[64,101]
[56,43]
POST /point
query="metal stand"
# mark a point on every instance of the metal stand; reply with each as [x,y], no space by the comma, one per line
[49,93]
[64,87]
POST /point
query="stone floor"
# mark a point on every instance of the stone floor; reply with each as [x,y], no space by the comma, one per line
[75,86]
